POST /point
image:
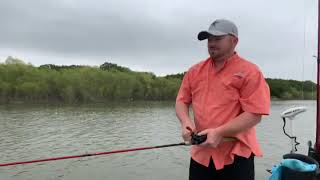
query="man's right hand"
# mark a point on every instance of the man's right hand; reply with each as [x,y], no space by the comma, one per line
[182,111]
[186,133]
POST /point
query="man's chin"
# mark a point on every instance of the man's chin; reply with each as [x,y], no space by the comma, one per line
[215,55]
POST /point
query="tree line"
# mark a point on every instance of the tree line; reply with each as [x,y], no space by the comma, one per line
[108,82]
[77,84]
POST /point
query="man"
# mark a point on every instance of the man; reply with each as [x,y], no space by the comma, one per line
[228,95]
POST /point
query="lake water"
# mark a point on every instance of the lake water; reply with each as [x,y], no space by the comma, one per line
[30,132]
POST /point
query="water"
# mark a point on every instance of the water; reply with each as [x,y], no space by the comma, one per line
[30,132]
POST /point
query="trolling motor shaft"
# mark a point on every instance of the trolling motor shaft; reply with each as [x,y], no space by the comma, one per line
[291,114]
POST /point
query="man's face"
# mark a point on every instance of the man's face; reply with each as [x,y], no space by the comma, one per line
[219,46]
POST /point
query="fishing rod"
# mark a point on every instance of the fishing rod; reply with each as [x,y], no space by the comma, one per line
[195,140]
[93,154]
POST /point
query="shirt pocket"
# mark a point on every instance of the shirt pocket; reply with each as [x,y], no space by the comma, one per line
[231,86]
[197,89]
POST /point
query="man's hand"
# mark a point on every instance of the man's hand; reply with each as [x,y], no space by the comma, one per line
[214,138]
[182,111]
[186,133]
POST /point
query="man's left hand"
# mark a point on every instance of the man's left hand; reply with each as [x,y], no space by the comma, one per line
[214,138]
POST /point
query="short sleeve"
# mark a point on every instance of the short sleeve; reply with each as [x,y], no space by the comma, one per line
[184,94]
[255,94]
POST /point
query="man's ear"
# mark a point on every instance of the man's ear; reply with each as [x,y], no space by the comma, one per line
[235,40]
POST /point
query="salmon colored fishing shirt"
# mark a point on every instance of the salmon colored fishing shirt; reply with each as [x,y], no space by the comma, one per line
[218,97]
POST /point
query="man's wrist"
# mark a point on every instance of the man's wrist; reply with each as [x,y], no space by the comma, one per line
[187,122]
[221,130]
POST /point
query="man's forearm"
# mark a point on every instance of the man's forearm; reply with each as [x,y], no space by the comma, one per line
[239,124]
[182,111]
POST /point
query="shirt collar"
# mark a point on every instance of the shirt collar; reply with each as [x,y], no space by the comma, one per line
[227,61]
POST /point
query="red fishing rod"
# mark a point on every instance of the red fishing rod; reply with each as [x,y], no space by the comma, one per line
[92,154]
[195,140]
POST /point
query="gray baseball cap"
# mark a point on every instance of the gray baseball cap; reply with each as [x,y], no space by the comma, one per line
[219,27]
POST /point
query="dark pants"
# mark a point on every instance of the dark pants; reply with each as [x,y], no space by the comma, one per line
[241,169]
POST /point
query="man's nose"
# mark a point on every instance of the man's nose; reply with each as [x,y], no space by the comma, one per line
[212,42]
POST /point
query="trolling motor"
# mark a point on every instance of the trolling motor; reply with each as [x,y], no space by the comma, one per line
[294,166]
[291,114]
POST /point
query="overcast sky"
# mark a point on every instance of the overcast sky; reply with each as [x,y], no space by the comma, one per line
[159,35]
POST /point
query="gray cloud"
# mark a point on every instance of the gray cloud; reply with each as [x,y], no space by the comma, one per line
[158,36]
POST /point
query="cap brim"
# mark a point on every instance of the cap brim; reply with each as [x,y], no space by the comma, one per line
[205,34]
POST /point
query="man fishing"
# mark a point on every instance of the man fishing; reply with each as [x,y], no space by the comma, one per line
[228,95]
